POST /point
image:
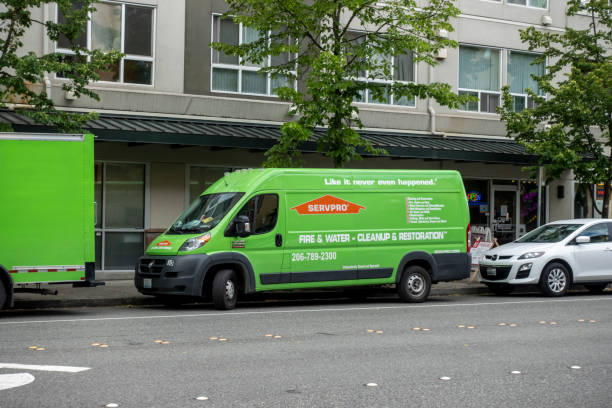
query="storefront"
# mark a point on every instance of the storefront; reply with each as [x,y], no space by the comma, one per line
[506,209]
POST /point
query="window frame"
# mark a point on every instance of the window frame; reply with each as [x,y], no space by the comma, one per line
[547,7]
[239,67]
[103,229]
[386,82]
[529,103]
[478,91]
[254,224]
[129,57]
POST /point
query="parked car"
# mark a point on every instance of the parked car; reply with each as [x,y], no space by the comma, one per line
[553,256]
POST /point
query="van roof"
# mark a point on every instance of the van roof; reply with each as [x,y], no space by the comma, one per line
[252,179]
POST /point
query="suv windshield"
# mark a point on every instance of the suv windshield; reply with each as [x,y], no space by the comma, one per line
[204,213]
[550,233]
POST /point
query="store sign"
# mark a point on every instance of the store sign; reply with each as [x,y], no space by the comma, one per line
[474,198]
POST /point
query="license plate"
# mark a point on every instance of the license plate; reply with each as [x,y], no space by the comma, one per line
[491,271]
[147,283]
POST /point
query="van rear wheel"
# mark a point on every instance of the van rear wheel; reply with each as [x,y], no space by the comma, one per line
[3,295]
[225,290]
[415,285]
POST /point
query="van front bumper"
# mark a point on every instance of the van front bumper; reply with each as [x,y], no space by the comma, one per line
[170,275]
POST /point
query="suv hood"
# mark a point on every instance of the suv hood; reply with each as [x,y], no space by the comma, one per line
[518,249]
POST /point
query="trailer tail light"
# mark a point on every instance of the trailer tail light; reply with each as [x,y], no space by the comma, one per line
[468,235]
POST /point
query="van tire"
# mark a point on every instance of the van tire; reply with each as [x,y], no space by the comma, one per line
[3,295]
[555,280]
[415,285]
[225,290]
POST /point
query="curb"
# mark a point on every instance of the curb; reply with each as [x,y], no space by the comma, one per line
[144,300]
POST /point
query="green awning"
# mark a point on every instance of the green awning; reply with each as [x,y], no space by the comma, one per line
[251,135]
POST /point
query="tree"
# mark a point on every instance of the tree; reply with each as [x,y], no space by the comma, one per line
[23,73]
[339,50]
[570,129]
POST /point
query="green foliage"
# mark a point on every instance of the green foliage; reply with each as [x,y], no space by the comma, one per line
[286,152]
[571,128]
[328,57]
[23,73]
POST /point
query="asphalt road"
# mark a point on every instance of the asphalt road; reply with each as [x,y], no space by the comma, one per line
[315,354]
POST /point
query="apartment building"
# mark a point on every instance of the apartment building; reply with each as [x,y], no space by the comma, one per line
[175,116]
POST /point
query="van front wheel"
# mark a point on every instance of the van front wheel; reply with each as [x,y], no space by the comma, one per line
[224,290]
[415,285]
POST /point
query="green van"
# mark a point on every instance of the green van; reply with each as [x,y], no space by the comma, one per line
[279,229]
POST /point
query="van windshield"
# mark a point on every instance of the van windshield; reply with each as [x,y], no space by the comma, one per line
[204,213]
[550,233]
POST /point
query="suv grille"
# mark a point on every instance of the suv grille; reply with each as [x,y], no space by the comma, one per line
[496,257]
[151,266]
[501,272]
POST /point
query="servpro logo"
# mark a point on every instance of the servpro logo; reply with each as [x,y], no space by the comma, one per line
[328,205]
[163,243]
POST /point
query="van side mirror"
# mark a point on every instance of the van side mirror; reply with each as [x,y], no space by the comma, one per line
[583,239]
[242,226]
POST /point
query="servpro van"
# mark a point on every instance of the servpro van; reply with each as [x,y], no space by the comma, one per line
[279,229]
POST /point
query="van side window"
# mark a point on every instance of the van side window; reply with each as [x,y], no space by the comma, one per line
[262,211]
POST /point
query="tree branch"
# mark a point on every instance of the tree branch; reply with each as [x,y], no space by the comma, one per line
[9,38]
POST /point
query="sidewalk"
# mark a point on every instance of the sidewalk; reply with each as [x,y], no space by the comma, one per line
[123,292]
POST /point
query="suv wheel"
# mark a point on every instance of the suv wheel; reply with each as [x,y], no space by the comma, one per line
[555,280]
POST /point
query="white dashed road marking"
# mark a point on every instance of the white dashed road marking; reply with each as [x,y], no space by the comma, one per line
[61,369]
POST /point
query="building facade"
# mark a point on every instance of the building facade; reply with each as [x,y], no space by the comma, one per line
[175,116]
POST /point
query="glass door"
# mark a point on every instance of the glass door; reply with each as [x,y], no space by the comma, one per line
[504,220]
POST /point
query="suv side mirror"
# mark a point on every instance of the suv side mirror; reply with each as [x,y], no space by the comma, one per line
[242,226]
[583,239]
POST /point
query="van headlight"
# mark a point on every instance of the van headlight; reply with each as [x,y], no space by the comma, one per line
[195,243]
[531,255]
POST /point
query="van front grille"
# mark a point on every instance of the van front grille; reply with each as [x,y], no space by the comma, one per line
[151,266]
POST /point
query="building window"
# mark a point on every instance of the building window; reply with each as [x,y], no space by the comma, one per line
[480,76]
[231,74]
[520,70]
[120,209]
[123,27]
[200,178]
[402,68]
[530,3]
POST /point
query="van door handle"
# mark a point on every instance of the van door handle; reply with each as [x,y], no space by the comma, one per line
[279,240]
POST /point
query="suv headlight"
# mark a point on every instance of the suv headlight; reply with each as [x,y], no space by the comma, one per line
[195,243]
[531,255]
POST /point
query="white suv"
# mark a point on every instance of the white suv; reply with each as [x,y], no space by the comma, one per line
[554,256]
